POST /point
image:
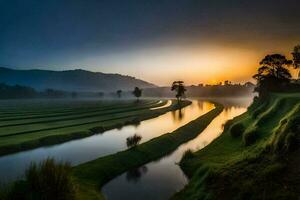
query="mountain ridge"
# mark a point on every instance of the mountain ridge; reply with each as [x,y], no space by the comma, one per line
[71,80]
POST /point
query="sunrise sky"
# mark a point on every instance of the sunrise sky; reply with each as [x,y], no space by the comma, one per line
[159,41]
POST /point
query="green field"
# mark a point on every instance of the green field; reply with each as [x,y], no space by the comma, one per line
[91,176]
[256,157]
[29,124]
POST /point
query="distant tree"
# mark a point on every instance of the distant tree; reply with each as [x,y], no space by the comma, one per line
[273,73]
[180,90]
[119,93]
[249,84]
[16,91]
[137,92]
[51,93]
[296,58]
[227,82]
[100,94]
[74,94]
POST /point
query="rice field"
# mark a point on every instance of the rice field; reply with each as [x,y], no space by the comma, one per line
[30,123]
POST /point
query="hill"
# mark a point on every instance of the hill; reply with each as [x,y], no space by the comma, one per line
[256,157]
[71,80]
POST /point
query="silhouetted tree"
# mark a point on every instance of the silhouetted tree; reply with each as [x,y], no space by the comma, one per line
[249,84]
[134,140]
[296,58]
[100,94]
[227,82]
[137,92]
[16,91]
[74,94]
[51,93]
[180,90]
[119,93]
[272,74]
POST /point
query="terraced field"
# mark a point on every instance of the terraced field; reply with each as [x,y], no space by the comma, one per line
[29,124]
[256,155]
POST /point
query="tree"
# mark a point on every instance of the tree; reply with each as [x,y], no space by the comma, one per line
[273,73]
[137,92]
[100,94]
[275,65]
[180,90]
[119,93]
[296,58]
[132,141]
[74,95]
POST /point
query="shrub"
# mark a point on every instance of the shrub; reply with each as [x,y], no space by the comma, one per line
[49,180]
[134,140]
[250,137]
[237,130]
[188,154]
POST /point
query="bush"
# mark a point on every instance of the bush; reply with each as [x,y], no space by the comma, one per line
[188,154]
[237,130]
[47,180]
[134,140]
[250,137]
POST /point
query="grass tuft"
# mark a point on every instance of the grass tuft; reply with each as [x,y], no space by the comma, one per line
[47,180]
[237,130]
[250,137]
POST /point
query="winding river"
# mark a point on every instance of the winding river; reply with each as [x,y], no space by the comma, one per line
[160,179]
[13,166]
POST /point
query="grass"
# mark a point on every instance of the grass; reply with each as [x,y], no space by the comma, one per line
[261,164]
[46,123]
[47,180]
[237,130]
[92,175]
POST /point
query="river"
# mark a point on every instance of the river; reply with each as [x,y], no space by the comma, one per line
[13,166]
[160,179]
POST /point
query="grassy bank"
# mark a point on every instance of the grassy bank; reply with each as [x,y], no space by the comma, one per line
[53,123]
[256,157]
[91,176]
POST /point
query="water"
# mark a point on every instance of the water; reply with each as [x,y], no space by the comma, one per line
[12,166]
[160,179]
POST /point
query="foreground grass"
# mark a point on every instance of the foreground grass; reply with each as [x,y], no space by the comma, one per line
[18,132]
[91,176]
[260,162]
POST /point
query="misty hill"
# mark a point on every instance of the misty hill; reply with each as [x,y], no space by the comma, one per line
[71,80]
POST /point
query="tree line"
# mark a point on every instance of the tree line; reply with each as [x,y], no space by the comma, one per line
[274,74]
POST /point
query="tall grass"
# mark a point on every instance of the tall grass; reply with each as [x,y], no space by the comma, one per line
[47,180]
[237,130]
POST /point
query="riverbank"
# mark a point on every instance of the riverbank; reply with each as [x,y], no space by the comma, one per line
[78,124]
[91,176]
[256,157]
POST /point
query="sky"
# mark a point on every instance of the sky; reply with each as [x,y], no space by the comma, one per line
[197,41]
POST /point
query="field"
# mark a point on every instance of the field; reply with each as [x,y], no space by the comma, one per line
[253,159]
[29,124]
[94,174]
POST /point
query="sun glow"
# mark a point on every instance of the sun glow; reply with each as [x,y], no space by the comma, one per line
[192,64]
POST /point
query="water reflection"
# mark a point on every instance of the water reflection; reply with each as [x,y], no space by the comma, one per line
[134,175]
[86,149]
[164,176]
[200,105]
[178,115]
